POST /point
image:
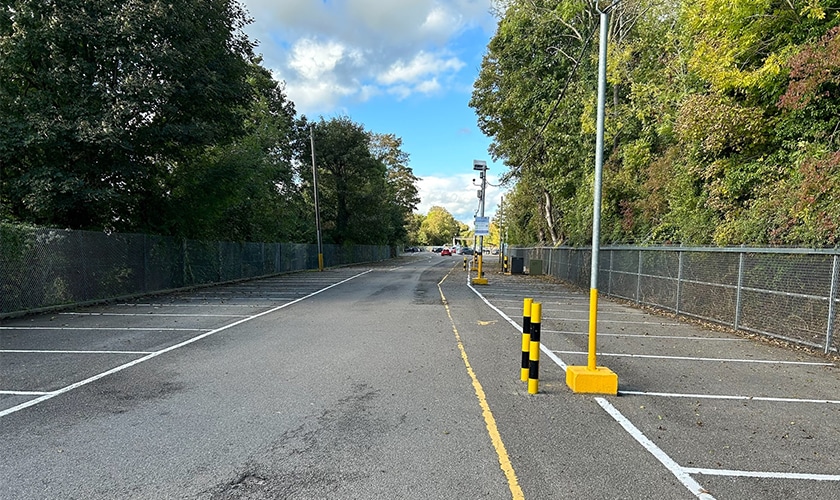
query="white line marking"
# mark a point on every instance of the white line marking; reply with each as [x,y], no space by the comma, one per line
[543,348]
[122,367]
[682,473]
[161,305]
[689,358]
[657,323]
[724,396]
[98,328]
[634,335]
[765,475]
[23,393]
[152,314]
[679,472]
[44,351]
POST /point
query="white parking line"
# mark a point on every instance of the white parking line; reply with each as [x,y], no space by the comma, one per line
[623,322]
[24,393]
[723,396]
[150,314]
[692,358]
[679,472]
[762,475]
[250,306]
[102,328]
[642,336]
[46,351]
[155,354]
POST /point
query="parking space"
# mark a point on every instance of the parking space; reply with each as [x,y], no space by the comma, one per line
[736,416]
[44,355]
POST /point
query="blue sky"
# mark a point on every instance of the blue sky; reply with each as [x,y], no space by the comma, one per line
[404,67]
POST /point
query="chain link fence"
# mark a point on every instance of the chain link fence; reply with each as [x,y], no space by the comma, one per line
[790,294]
[42,268]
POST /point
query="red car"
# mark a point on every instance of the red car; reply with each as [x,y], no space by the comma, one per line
[445,251]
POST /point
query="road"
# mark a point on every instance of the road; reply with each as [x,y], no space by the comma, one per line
[396,380]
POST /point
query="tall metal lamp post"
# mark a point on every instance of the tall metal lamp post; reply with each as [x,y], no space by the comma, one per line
[592,378]
[317,209]
[481,166]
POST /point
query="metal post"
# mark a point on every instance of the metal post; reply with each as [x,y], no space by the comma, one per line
[317,209]
[591,378]
[596,211]
[832,306]
[639,280]
[481,166]
[679,282]
[738,291]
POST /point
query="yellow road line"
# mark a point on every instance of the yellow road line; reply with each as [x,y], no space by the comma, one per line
[489,420]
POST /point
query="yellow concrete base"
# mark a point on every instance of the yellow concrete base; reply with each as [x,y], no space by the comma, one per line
[598,381]
[479,281]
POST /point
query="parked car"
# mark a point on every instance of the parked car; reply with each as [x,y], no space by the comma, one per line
[437,249]
[467,251]
[445,251]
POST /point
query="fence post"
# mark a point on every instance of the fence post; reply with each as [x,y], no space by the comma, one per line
[609,273]
[639,281]
[738,292]
[832,309]
[679,280]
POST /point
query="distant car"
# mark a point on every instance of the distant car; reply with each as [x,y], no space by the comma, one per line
[467,251]
[495,251]
[445,251]
[437,249]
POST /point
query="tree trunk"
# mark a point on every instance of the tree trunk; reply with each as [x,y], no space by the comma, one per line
[549,218]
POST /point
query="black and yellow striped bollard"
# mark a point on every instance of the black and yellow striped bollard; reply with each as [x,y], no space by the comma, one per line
[505,264]
[465,262]
[526,339]
[534,358]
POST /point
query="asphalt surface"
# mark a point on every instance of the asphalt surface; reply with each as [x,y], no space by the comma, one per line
[400,380]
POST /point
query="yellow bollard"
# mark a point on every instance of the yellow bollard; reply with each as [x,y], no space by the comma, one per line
[465,263]
[534,358]
[526,338]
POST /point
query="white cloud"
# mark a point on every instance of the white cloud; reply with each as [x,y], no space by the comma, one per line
[327,52]
[312,59]
[422,65]
[458,195]
[428,87]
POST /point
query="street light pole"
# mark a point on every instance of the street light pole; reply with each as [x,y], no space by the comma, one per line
[317,209]
[591,378]
[481,166]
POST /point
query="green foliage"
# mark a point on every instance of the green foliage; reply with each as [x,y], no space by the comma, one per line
[99,98]
[152,116]
[722,121]
[438,227]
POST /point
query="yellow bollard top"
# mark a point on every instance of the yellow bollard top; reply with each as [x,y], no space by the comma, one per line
[536,312]
[526,307]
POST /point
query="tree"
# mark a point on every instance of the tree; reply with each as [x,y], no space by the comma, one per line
[403,195]
[439,227]
[101,100]
[721,124]
[245,190]
[352,183]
